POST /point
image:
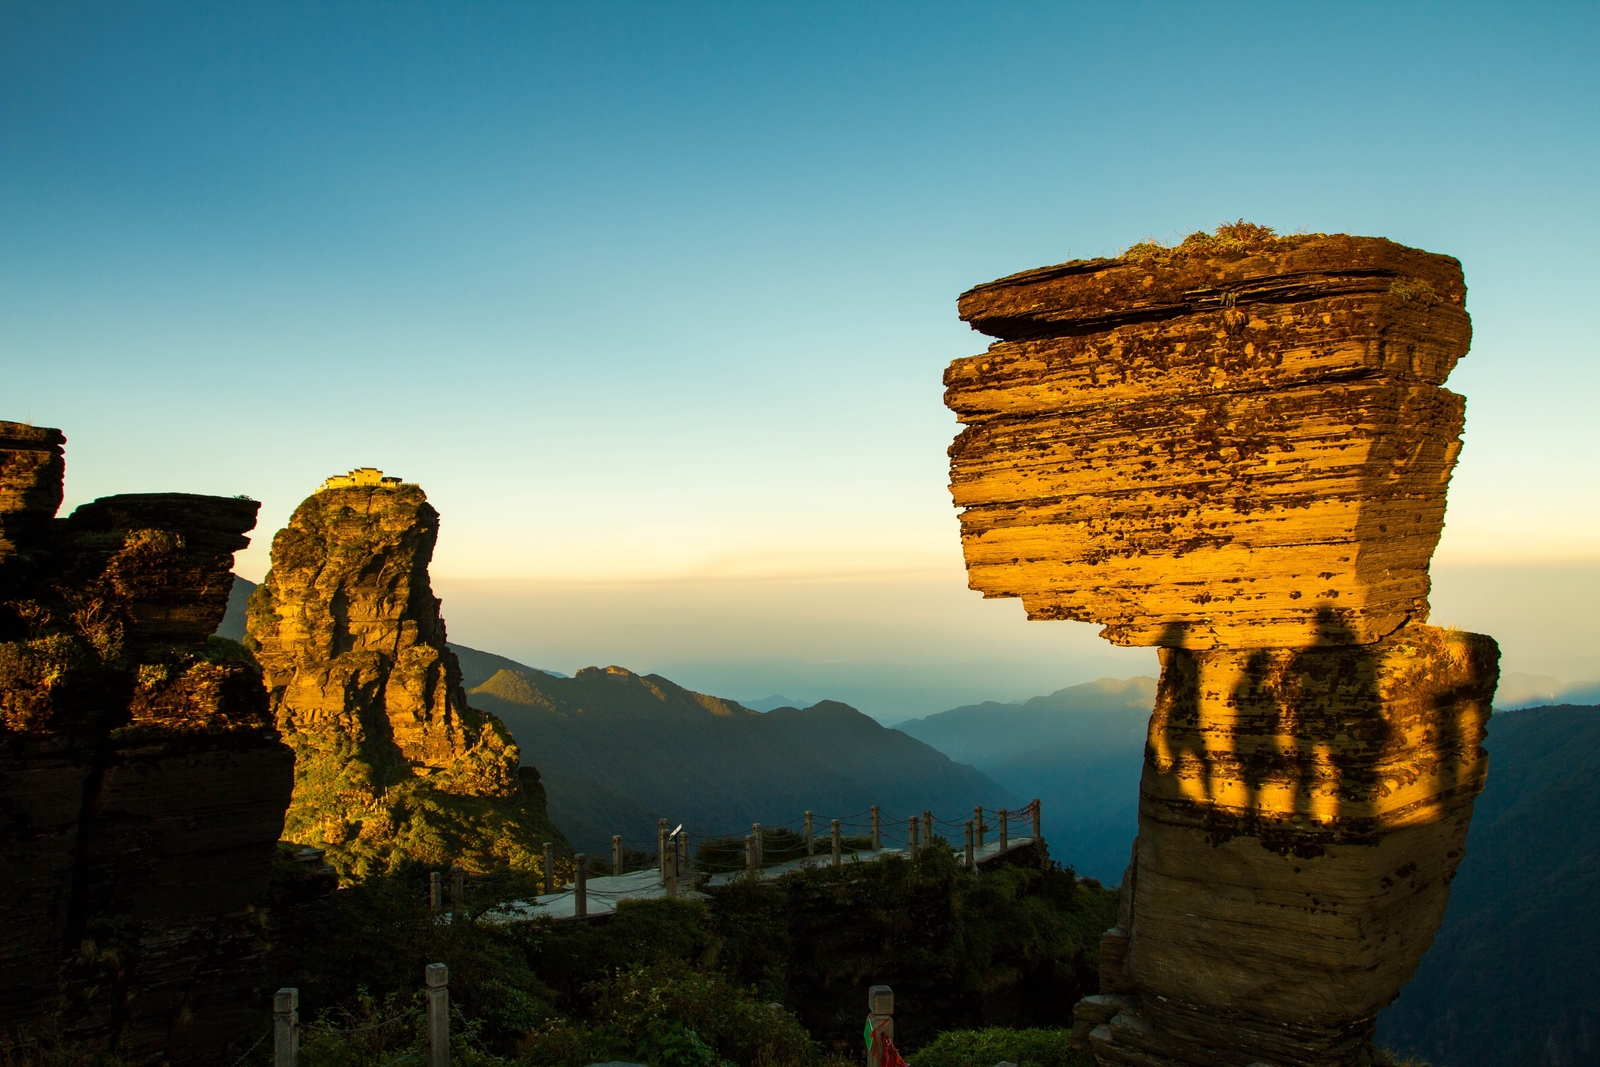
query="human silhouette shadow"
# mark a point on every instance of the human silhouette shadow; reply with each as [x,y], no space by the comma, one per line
[1307,741]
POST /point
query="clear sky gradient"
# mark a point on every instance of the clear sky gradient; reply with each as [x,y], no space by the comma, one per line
[654,299]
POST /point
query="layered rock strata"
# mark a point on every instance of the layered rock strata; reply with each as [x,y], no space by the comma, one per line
[1206,450]
[142,786]
[392,763]
[1238,450]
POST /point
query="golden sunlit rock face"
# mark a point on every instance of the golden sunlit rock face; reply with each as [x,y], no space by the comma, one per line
[391,763]
[1199,450]
[1238,450]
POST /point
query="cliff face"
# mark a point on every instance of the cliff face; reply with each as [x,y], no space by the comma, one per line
[1238,450]
[141,783]
[392,763]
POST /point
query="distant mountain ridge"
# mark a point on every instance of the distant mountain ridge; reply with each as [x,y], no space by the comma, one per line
[1080,750]
[1518,690]
[478,666]
[1094,715]
[775,701]
[617,750]
[1511,978]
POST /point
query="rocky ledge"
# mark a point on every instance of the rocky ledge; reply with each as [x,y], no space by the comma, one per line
[142,784]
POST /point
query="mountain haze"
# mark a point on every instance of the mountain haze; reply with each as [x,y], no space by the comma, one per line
[618,750]
[478,666]
[1079,750]
[1518,690]
[1511,977]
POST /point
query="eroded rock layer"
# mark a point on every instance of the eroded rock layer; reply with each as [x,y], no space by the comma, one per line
[1245,447]
[1301,816]
[391,762]
[142,786]
[1238,450]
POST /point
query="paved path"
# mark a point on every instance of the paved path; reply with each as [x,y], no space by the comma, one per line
[604,894]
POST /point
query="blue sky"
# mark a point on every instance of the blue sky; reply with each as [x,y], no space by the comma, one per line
[654,299]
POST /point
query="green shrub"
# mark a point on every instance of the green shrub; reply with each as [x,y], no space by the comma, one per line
[45,1045]
[1015,944]
[660,981]
[671,1015]
[371,1031]
[985,1048]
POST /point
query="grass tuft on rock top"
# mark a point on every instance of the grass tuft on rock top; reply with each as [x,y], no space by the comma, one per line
[1231,239]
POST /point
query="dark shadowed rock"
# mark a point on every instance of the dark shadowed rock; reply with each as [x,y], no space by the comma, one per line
[141,782]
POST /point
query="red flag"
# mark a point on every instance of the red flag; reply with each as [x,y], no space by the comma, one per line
[888,1055]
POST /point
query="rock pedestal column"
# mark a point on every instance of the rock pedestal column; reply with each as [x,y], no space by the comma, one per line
[391,762]
[1237,450]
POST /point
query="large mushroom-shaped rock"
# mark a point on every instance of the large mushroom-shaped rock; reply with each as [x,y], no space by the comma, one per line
[1238,450]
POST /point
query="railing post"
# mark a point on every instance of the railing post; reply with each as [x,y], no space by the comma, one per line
[436,891]
[1004,829]
[912,837]
[761,845]
[661,849]
[580,887]
[811,844]
[971,862]
[286,1027]
[880,1020]
[437,977]
[616,854]
[877,830]
[1037,834]
[977,824]
[927,828]
[685,853]
[838,845]
[550,868]
[458,889]
[671,853]
[750,854]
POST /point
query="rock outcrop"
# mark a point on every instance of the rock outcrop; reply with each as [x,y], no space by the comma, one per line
[1238,450]
[1206,450]
[142,786]
[391,762]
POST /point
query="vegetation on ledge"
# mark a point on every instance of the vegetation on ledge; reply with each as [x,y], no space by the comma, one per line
[1229,239]
[771,974]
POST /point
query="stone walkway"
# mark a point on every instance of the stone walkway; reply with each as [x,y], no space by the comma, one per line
[604,894]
